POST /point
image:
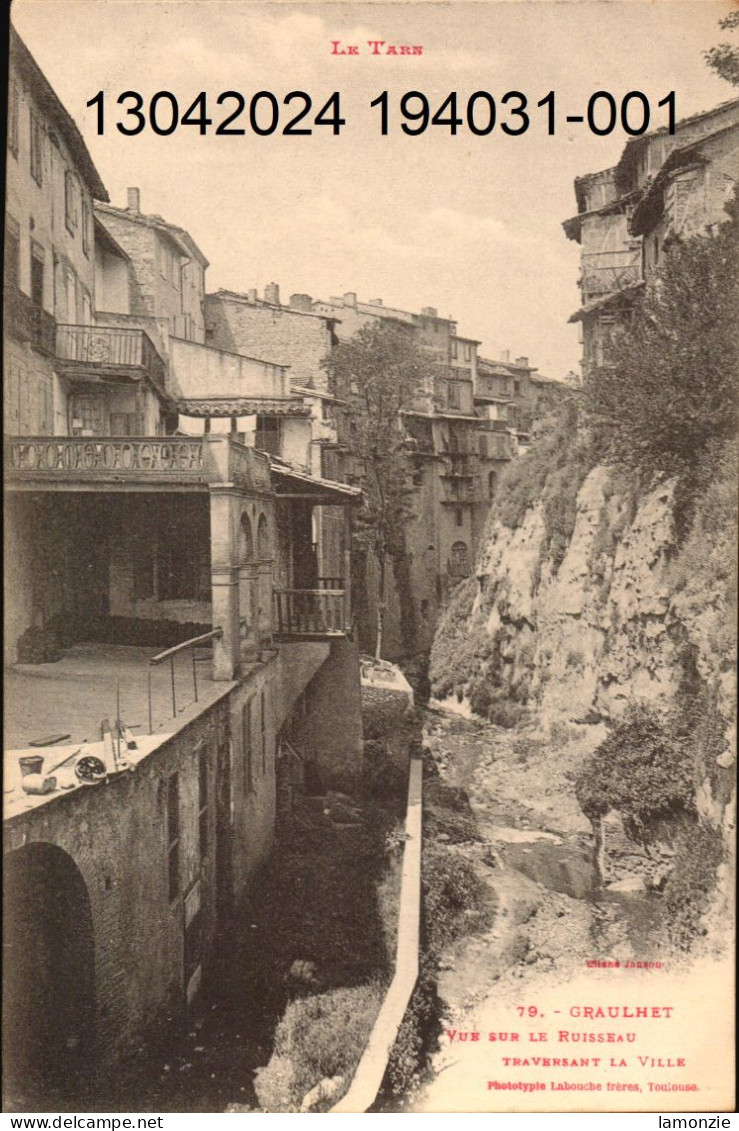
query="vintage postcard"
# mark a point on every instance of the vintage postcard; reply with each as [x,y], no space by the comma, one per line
[370,522]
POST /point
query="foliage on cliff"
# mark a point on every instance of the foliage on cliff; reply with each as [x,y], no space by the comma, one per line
[553,471]
[644,769]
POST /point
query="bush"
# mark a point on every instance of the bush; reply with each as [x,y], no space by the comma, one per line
[644,769]
[504,713]
[418,1033]
[318,1037]
[451,887]
[689,887]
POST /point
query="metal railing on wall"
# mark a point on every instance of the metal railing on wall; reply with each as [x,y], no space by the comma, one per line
[170,654]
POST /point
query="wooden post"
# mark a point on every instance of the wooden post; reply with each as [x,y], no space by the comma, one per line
[194,674]
[151,721]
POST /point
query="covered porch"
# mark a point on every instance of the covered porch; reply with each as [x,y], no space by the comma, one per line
[312,594]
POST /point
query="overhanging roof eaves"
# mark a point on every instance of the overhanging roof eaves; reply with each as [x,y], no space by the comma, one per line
[51,103]
[313,487]
[612,299]
[242,406]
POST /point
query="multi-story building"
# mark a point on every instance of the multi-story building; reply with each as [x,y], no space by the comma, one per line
[170,577]
[664,186]
[449,501]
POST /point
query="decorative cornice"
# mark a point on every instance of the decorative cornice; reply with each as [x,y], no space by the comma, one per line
[243,406]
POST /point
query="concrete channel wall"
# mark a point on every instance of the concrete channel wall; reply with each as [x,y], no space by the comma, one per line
[371,1068]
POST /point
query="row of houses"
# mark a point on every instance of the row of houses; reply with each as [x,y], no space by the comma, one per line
[187,627]
[181,627]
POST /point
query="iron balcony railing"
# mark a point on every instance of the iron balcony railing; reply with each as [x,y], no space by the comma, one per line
[311,613]
[606,271]
[115,347]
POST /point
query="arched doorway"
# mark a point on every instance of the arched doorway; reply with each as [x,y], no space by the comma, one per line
[459,563]
[48,979]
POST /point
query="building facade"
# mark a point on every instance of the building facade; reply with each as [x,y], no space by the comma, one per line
[665,186]
[170,575]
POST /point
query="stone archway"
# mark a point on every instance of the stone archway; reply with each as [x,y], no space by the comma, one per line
[48,978]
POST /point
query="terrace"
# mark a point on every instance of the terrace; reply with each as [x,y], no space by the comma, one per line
[92,682]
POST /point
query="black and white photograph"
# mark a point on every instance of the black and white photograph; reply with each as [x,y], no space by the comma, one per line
[370,495]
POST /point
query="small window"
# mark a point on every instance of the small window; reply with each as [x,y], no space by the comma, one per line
[71,213]
[173,837]
[482,441]
[467,351]
[453,394]
[246,747]
[37,136]
[86,229]
[263,730]
[37,275]
[13,123]
[454,347]
[459,516]
[203,824]
[12,260]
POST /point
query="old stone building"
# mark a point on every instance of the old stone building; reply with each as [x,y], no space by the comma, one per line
[664,186]
[165,629]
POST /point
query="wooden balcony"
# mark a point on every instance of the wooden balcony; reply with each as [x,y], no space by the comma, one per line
[311,614]
[108,351]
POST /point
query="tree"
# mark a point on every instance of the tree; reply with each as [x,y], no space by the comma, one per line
[664,399]
[379,372]
[724,58]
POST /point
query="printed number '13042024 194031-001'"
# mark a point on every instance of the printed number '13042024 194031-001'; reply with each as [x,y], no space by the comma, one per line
[298,114]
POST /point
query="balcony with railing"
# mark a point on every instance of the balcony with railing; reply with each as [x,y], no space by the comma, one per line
[311,614]
[112,351]
[602,272]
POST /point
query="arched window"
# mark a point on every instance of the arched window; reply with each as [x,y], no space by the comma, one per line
[263,538]
[459,563]
[247,541]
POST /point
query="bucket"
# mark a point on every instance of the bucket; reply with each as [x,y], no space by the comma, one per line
[31,764]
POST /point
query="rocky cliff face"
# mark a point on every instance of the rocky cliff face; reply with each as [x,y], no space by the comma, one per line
[628,616]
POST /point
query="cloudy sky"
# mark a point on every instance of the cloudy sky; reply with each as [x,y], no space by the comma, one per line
[470,225]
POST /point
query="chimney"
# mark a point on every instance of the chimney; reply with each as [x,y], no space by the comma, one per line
[272,294]
[375,302]
[505,356]
[252,294]
[350,298]
[522,362]
[430,311]
[133,199]
[301,302]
